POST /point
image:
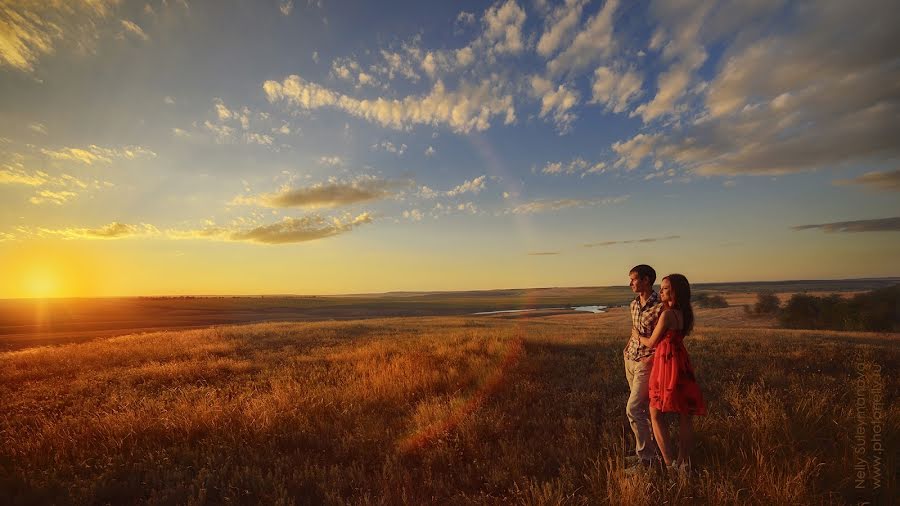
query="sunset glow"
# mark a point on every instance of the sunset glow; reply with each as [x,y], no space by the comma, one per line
[193,147]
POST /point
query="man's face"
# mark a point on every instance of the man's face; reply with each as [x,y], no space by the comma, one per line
[638,285]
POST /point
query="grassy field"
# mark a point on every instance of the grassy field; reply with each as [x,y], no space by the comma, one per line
[451,410]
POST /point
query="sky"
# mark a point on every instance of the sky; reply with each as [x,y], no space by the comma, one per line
[169,147]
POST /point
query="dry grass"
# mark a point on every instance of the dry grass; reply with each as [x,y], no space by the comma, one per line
[428,410]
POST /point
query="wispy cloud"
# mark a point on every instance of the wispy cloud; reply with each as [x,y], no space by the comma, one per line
[135,30]
[286,6]
[539,206]
[307,228]
[31,30]
[113,230]
[331,161]
[390,147]
[469,186]
[575,166]
[52,197]
[888,180]
[38,127]
[631,241]
[50,189]
[333,193]
[470,107]
[543,253]
[289,230]
[97,154]
[877,225]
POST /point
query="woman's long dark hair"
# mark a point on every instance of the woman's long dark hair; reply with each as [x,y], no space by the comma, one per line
[682,290]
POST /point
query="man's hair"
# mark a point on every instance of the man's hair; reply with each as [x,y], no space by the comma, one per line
[644,271]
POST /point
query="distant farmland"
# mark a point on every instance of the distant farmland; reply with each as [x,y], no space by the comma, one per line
[25,323]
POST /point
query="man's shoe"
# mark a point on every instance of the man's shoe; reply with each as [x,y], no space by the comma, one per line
[680,469]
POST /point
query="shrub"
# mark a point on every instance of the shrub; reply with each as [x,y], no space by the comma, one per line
[710,301]
[766,303]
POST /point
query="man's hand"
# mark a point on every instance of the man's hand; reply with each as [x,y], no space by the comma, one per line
[634,333]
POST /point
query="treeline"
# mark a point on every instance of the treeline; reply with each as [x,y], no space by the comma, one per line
[875,311]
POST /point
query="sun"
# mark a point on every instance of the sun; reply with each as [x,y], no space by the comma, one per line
[42,282]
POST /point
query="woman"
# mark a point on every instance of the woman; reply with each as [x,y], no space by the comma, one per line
[673,388]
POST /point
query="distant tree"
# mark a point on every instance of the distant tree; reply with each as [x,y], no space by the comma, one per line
[766,303]
[877,311]
[710,301]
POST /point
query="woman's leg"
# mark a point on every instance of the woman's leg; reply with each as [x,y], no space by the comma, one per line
[661,432]
[686,437]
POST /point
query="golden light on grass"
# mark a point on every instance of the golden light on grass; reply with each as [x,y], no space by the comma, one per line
[456,410]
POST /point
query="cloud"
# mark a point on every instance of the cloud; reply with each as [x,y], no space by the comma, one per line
[348,69]
[878,225]
[38,127]
[540,206]
[169,100]
[307,228]
[333,193]
[465,18]
[576,165]
[53,197]
[289,230]
[286,6]
[888,180]
[135,30]
[777,106]
[331,161]
[51,189]
[413,215]
[430,151]
[634,150]
[543,253]
[15,175]
[615,90]
[591,45]
[679,37]
[632,241]
[390,147]
[398,64]
[114,230]
[238,125]
[560,27]
[557,101]
[503,27]
[474,186]
[31,30]
[96,154]
[471,107]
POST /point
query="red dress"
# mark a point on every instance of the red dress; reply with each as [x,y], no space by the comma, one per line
[673,387]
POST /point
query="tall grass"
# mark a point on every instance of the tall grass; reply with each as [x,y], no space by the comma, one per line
[428,410]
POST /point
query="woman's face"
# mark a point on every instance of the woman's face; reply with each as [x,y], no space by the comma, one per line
[665,292]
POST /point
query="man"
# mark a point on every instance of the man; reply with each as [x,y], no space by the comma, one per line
[645,311]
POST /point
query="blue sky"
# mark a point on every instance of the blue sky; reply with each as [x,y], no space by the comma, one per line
[333,147]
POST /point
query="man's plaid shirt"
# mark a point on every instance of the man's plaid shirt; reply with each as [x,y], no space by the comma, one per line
[643,319]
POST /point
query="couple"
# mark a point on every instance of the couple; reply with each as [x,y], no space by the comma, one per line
[658,370]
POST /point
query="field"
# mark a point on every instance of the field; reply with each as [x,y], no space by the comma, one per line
[440,409]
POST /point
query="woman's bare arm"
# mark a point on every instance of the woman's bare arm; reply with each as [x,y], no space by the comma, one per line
[664,323]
